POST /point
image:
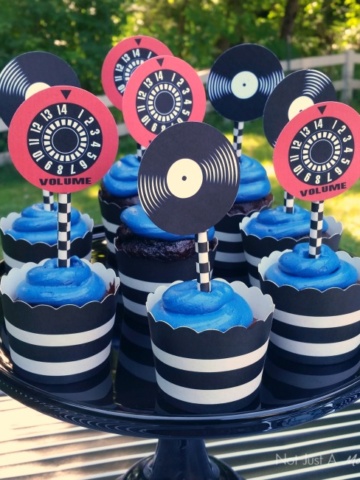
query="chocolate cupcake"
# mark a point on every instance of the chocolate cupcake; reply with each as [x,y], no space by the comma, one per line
[317,304]
[146,258]
[274,229]
[32,235]
[254,194]
[209,347]
[59,320]
[118,190]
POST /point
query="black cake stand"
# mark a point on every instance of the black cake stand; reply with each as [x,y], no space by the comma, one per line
[113,401]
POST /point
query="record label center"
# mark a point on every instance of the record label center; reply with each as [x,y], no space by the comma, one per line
[64,139]
[321,151]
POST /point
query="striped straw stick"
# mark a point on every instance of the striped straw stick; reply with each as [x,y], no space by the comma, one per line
[203,263]
[316,225]
[288,202]
[238,137]
[140,151]
[48,200]
[64,228]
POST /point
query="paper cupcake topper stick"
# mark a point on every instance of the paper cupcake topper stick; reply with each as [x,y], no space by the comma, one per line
[25,75]
[123,59]
[295,93]
[240,82]
[64,138]
[188,179]
[316,157]
[162,92]
[316,225]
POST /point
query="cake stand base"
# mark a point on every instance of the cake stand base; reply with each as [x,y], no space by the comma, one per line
[180,460]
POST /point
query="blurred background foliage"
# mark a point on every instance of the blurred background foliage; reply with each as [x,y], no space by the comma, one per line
[83,31]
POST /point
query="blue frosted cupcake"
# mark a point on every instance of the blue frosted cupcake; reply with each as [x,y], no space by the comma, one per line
[209,347]
[59,320]
[118,190]
[274,229]
[254,194]
[32,235]
[317,304]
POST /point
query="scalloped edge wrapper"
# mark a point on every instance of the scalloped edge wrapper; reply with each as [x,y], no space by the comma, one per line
[61,345]
[139,277]
[18,252]
[311,326]
[212,371]
[256,248]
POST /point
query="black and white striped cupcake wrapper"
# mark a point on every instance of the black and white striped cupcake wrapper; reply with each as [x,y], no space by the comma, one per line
[287,382]
[18,252]
[256,248]
[211,371]
[58,345]
[312,326]
[139,277]
[230,262]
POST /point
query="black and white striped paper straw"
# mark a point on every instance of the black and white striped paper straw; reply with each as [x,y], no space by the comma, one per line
[64,228]
[316,225]
[48,200]
[238,137]
[140,151]
[203,263]
[288,202]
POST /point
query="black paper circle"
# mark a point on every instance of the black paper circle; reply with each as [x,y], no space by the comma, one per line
[188,178]
[298,91]
[29,73]
[241,80]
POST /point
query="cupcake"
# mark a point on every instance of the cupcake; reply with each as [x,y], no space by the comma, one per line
[209,347]
[146,258]
[317,304]
[274,229]
[59,320]
[253,195]
[32,235]
[118,190]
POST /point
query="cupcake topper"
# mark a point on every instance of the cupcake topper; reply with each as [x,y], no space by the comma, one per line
[240,82]
[163,91]
[27,74]
[121,62]
[188,180]
[295,93]
[64,138]
[316,157]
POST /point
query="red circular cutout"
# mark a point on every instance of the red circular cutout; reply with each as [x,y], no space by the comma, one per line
[63,139]
[162,92]
[316,155]
[123,59]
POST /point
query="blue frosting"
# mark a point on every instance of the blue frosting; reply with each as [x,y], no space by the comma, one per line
[39,225]
[297,269]
[49,284]
[121,179]
[183,305]
[276,223]
[140,224]
[254,182]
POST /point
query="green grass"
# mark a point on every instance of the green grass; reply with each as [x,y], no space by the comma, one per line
[16,193]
